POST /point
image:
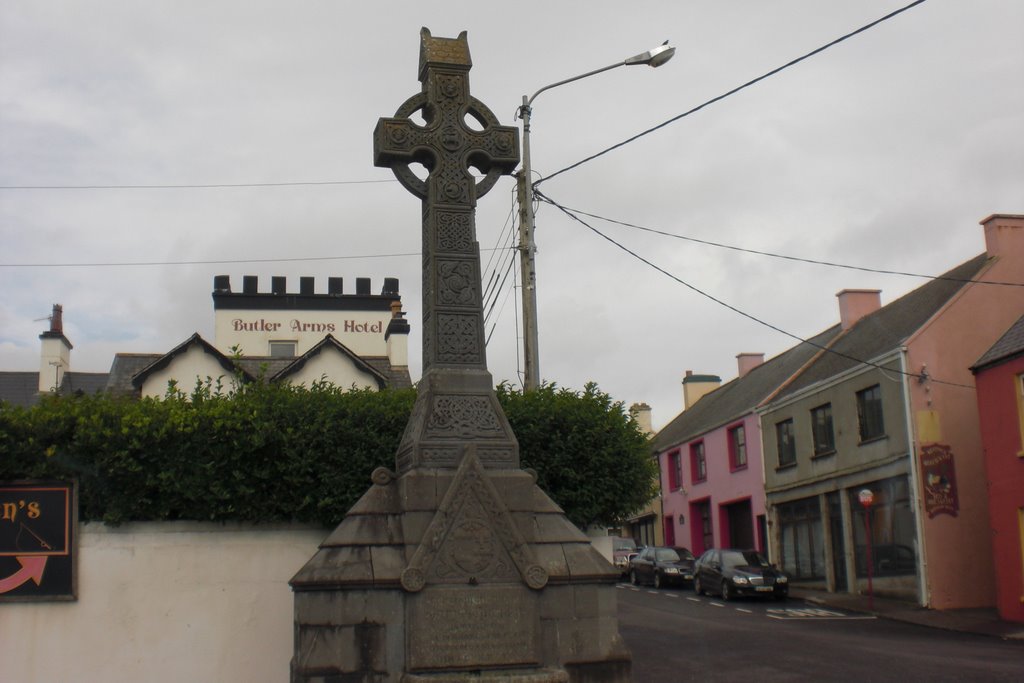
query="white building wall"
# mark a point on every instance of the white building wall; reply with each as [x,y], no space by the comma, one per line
[165,602]
[339,369]
[253,330]
[186,368]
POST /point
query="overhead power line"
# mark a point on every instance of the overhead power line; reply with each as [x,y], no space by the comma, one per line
[800,259]
[733,91]
[739,311]
[193,186]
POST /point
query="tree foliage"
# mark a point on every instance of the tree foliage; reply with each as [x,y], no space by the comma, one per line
[275,452]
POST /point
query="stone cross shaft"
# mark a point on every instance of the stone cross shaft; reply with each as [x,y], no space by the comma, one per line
[453,334]
[456,405]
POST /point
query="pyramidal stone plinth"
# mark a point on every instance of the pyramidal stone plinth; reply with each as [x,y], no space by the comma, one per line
[455,567]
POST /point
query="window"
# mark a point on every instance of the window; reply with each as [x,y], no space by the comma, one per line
[821,428]
[869,413]
[785,442]
[802,540]
[737,448]
[282,349]
[893,545]
[675,471]
[698,464]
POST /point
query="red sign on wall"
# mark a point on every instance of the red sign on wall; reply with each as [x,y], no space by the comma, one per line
[938,477]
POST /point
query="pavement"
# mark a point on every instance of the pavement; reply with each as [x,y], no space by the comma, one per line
[984,621]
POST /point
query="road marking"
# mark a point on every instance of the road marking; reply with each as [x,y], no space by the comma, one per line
[795,613]
[654,592]
[716,604]
[694,599]
[671,595]
[748,611]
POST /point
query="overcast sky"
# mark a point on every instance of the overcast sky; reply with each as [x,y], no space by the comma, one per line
[884,151]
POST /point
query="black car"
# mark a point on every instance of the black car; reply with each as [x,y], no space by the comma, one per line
[661,566]
[732,573]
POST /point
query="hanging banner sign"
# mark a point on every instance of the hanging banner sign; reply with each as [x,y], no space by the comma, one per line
[37,540]
[938,476]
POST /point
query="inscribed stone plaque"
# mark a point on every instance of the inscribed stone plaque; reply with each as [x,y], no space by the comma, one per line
[472,628]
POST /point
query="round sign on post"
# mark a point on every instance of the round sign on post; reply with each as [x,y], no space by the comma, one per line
[867,497]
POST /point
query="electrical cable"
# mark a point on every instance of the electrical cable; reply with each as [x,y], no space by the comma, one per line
[194,186]
[791,258]
[733,91]
[734,309]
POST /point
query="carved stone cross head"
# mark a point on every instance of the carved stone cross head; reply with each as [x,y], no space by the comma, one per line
[446,145]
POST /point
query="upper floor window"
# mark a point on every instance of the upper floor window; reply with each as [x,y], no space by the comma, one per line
[786,443]
[821,428]
[869,413]
[698,464]
[675,471]
[737,447]
[282,349]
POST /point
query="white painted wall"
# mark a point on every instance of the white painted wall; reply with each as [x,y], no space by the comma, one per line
[338,368]
[165,602]
[252,331]
[186,368]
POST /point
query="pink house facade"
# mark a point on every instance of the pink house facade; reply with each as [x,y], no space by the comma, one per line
[712,477]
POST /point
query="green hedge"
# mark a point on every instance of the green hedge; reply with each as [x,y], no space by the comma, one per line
[273,452]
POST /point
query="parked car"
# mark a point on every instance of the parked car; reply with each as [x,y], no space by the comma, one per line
[730,573]
[622,550]
[661,567]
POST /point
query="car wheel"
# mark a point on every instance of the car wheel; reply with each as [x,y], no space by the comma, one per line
[657,580]
[696,586]
[632,577]
[726,591]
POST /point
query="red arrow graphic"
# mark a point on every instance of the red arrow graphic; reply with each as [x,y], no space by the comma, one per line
[32,567]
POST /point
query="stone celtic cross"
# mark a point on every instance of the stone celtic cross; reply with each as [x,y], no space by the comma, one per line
[456,403]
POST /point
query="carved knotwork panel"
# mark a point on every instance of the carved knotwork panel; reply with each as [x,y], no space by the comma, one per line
[454,232]
[459,338]
[457,284]
[463,416]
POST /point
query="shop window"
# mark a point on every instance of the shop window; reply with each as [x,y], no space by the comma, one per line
[869,413]
[892,529]
[675,471]
[737,448]
[785,442]
[821,428]
[803,543]
[698,463]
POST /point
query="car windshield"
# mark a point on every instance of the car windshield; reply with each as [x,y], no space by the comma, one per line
[623,544]
[743,558]
[684,553]
[666,555]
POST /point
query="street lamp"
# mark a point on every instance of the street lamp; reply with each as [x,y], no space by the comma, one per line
[527,246]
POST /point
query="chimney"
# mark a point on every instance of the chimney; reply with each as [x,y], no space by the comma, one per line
[854,304]
[1004,234]
[397,337]
[55,356]
[641,412]
[696,386]
[747,362]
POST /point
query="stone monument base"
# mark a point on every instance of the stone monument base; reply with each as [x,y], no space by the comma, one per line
[457,576]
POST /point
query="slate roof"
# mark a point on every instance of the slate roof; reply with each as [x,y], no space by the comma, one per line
[1008,346]
[887,328]
[126,366]
[19,388]
[739,397]
[22,388]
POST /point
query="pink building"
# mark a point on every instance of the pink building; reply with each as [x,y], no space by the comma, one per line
[710,455]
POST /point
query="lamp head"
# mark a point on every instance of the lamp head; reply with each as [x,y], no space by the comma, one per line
[654,57]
